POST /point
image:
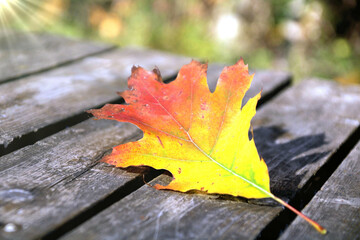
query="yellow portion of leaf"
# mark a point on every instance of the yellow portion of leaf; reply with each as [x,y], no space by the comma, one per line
[202,138]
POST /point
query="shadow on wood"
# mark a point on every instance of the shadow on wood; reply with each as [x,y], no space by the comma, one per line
[287,157]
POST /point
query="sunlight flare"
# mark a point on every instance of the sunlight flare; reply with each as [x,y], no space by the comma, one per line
[7,6]
[29,15]
[24,20]
[5,3]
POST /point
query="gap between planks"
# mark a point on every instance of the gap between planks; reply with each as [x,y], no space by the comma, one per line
[27,54]
[62,64]
[278,226]
[337,204]
[99,206]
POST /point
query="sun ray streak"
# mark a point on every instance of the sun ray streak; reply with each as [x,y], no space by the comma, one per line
[27,17]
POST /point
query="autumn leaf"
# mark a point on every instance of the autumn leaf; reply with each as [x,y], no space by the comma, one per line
[202,138]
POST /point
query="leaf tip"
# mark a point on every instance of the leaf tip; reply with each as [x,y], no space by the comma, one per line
[242,64]
[198,64]
[93,113]
[322,230]
[318,227]
[156,70]
[134,69]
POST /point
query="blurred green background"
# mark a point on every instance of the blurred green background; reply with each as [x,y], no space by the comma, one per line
[307,38]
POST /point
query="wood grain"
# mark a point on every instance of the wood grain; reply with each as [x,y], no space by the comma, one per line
[152,214]
[34,102]
[23,54]
[296,133]
[46,185]
[336,205]
[321,116]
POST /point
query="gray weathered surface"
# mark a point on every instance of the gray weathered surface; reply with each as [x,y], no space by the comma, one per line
[46,184]
[295,133]
[23,54]
[37,101]
[152,214]
[336,205]
[27,174]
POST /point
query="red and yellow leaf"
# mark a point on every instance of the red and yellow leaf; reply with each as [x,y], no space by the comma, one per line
[202,138]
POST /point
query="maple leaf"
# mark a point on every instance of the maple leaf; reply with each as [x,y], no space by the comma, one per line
[202,138]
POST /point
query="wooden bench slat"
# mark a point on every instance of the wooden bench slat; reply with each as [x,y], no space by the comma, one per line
[48,172]
[296,134]
[23,54]
[336,205]
[150,214]
[48,183]
[34,102]
[323,114]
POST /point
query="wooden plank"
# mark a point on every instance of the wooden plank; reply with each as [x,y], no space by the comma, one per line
[50,182]
[336,205]
[296,133]
[44,186]
[23,54]
[150,214]
[321,116]
[34,102]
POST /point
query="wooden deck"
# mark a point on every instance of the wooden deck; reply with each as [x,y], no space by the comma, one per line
[52,185]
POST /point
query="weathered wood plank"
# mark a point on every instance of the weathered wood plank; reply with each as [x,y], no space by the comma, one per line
[321,116]
[45,185]
[33,102]
[50,182]
[150,214]
[336,205]
[23,54]
[296,133]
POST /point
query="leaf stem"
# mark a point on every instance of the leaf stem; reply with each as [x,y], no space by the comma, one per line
[317,226]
